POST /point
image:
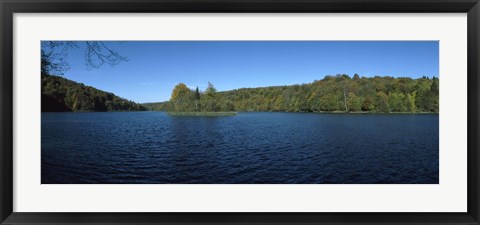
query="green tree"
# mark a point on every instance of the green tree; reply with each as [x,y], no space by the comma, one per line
[434,95]
[60,94]
[211,90]
[210,103]
[354,102]
[410,102]
[197,100]
[328,94]
[396,102]
[382,102]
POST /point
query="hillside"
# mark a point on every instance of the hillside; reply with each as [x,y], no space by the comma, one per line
[63,95]
[331,94]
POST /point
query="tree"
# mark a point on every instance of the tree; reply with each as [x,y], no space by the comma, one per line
[427,95]
[96,54]
[211,90]
[354,102]
[50,65]
[197,94]
[197,100]
[60,94]
[210,101]
[180,97]
[368,104]
[396,102]
[410,102]
[382,102]
[330,102]
[434,95]
[329,94]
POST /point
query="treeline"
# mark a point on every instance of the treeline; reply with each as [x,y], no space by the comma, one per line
[63,95]
[333,93]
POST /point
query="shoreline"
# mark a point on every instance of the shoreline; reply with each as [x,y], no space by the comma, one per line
[365,112]
[202,113]
[235,113]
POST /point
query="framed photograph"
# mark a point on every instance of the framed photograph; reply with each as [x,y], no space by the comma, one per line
[234,112]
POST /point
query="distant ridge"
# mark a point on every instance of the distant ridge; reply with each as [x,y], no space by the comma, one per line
[63,95]
[339,93]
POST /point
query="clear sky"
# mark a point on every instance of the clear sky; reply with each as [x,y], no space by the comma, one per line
[155,67]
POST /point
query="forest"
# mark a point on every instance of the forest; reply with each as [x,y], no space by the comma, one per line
[63,95]
[339,93]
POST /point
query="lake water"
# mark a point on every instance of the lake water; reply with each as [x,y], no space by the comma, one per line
[273,148]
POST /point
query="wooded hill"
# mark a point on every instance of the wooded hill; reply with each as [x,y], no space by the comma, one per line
[331,94]
[63,95]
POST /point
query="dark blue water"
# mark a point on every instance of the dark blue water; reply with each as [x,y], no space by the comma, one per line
[273,148]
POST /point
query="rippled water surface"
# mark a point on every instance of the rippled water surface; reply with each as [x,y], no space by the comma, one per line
[274,148]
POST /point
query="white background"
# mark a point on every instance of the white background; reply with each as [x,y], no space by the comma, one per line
[448,196]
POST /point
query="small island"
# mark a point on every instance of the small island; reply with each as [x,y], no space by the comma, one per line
[187,102]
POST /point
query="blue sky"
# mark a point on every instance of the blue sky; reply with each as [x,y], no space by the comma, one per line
[155,67]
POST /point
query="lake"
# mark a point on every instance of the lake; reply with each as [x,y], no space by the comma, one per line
[249,148]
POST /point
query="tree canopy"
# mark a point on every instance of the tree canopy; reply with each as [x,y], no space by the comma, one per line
[60,94]
[332,93]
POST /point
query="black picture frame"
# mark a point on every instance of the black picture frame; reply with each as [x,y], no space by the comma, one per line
[9,7]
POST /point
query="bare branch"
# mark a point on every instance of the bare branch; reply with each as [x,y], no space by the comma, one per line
[96,54]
